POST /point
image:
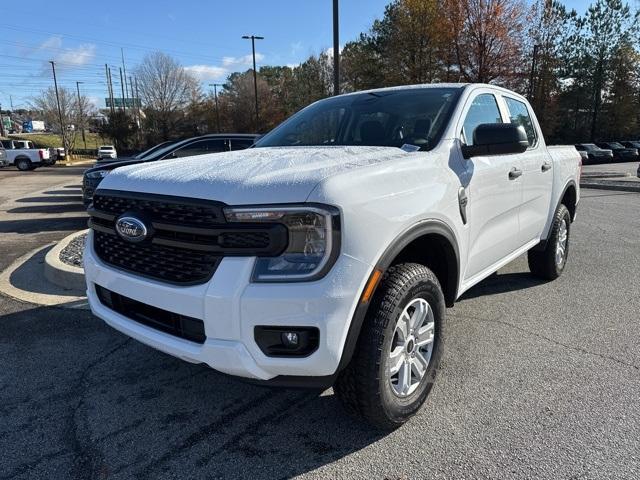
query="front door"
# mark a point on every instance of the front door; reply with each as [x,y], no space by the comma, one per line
[494,194]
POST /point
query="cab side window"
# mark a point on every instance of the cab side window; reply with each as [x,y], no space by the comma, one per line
[519,114]
[484,109]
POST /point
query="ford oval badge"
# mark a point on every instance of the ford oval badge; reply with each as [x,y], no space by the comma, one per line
[131,229]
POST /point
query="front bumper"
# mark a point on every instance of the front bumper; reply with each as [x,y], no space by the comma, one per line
[231,306]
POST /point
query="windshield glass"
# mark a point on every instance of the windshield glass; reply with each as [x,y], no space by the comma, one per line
[151,150]
[615,145]
[392,118]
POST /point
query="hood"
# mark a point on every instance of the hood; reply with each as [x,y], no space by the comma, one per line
[252,176]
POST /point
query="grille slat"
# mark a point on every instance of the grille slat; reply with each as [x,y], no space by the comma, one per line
[189,237]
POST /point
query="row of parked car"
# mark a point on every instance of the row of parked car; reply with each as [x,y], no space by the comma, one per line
[213,143]
[605,152]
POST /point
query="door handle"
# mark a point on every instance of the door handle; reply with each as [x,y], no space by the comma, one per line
[546,166]
[514,173]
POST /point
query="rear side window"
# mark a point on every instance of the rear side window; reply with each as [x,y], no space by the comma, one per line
[484,109]
[519,114]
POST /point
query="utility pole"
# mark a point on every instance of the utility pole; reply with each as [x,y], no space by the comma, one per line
[124,69]
[55,84]
[533,71]
[336,49]
[1,122]
[215,95]
[122,85]
[253,39]
[80,114]
[109,87]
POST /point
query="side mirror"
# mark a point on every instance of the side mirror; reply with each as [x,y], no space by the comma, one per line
[496,139]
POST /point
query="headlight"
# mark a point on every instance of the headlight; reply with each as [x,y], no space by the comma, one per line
[98,174]
[314,241]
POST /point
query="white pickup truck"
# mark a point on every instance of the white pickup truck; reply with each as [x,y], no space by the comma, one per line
[24,155]
[326,254]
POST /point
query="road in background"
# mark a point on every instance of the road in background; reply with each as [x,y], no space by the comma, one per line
[538,380]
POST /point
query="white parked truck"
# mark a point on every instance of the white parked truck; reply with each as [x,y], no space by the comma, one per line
[24,155]
[326,254]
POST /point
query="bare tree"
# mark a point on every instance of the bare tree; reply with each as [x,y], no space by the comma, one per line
[166,88]
[74,114]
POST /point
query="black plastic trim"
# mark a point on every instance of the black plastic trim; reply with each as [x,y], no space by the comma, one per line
[543,243]
[385,261]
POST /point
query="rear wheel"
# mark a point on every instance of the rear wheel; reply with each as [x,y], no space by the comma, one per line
[550,262]
[23,164]
[399,349]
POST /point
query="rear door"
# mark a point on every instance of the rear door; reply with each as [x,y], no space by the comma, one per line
[537,173]
[494,196]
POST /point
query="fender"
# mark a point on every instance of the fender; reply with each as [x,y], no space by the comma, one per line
[416,231]
[543,242]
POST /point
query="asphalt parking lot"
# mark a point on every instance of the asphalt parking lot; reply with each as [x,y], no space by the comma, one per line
[539,380]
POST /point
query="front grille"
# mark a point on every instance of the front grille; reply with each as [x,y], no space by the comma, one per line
[194,213]
[175,265]
[189,328]
[186,239]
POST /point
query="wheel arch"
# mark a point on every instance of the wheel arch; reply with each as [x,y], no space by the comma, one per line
[569,198]
[431,243]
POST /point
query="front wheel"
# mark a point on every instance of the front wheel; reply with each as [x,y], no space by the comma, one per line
[399,349]
[550,262]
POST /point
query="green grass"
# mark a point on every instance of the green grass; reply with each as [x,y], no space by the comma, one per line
[49,140]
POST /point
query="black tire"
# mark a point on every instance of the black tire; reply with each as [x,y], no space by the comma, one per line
[23,164]
[543,263]
[365,386]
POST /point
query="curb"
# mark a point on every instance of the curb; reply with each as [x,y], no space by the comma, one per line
[611,185]
[58,272]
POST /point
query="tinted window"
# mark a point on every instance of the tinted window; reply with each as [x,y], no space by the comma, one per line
[484,109]
[201,147]
[519,114]
[383,118]
[240,143]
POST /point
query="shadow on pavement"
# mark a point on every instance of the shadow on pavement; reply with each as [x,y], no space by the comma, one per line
[502,283]
[40,225]
[81,400]
[77,191]
[52,199]
[61,208]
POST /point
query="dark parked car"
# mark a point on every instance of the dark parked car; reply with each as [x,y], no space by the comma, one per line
[631,144]
[183,148]
[620,152]
[595,154]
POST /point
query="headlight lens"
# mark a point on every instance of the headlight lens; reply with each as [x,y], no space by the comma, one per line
[313,245]
[98,174]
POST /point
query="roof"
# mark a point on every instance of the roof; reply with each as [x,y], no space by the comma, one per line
[411,87]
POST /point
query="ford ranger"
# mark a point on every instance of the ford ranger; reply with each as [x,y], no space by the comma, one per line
[326,254]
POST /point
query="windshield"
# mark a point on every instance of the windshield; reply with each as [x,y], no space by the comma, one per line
[615,145]
[151,150]
[392,118]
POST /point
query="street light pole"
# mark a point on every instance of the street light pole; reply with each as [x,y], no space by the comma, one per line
[336,50]
[55,84]
[253,39]
[80,112]
[215,95]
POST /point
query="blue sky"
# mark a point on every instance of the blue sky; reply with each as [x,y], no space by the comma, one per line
[204,36]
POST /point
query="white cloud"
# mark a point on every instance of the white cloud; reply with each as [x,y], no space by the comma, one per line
[53,42]
[68,57]
[295,48]
[219,72]
[207,72]
[80,55]
[245,61]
